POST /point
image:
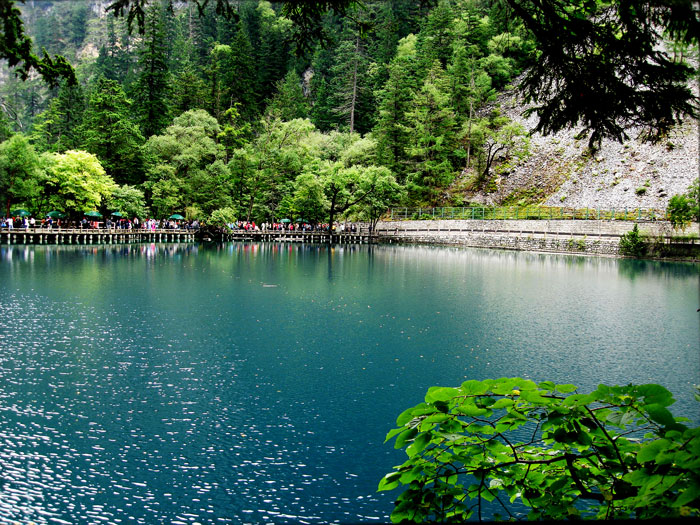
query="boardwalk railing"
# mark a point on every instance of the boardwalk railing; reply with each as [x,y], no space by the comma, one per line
[526,212]
[117,236]
[91,235]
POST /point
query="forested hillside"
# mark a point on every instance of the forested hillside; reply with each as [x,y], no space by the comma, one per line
[216,117]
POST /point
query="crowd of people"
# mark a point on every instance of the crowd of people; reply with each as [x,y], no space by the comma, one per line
[290,226]
[110,223]
[86,223]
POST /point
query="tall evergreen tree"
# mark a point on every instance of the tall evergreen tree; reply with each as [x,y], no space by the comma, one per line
[275,54]
[350,85]
[189,91]
[433,137]
[392,129]
[57,129]
[435,39]
[109,132]
[394,103]
[114,60]
[289,102]
[151,92]
[232,78]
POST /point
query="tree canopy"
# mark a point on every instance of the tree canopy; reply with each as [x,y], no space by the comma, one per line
[205,105]
[599,61]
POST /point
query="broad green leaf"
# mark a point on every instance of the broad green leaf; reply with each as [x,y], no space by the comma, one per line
[470,410]
[404,437]
[660,414]
[437,393]
[436,418]
[389,481]
[406,416]
[656,394]
[393,432]
[578,400]
[534,396]
[547,385]
[566,388]
[649,451]
[473,387]
[621,418]
[450,436]
[688,495]
[418,445]
[504,386]
[488,495]
[502,403]
[526,384]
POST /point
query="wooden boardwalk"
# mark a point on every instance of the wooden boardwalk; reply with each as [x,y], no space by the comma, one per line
[115,236]
[91,236]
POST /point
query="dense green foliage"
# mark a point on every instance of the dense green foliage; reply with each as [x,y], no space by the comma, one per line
[685,208]
[615,453]
[632,243]
[405,86]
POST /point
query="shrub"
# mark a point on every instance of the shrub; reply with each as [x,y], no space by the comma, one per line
[680,211]
[615,453]
[223,216]
[632,243]
[683,209]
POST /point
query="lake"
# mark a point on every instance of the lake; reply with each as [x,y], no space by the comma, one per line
[253,383]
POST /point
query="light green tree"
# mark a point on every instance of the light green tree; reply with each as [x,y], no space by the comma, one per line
[186,166]
[498,139]
[383,193]
[222,217]
[129,201]
[75,182]
[263,169]
[308,201]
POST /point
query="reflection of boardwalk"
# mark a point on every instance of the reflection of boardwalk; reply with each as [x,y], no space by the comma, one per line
[361,237]
[103,236]
[91,236]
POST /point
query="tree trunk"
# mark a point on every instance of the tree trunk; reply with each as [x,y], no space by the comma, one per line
[331,218]
[354,85]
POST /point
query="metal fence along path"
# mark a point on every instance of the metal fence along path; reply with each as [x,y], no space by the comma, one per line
[526,212]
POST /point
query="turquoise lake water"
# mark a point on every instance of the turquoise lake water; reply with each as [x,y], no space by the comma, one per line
[253,383]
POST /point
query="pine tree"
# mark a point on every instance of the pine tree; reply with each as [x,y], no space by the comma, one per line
[109,133]
[57,129]
[395,101]
[151,92]
[114,61]
[435,39]
[433,136]
[289,102]
[274,56]
[392,129]
[189,91]
[351,95]
[232,78]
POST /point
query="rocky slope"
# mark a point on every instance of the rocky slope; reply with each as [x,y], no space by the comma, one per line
[561,172]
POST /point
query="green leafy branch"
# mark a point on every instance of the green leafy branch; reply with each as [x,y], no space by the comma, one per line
[617,452]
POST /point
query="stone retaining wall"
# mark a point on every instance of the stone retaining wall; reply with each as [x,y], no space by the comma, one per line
[582,237]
